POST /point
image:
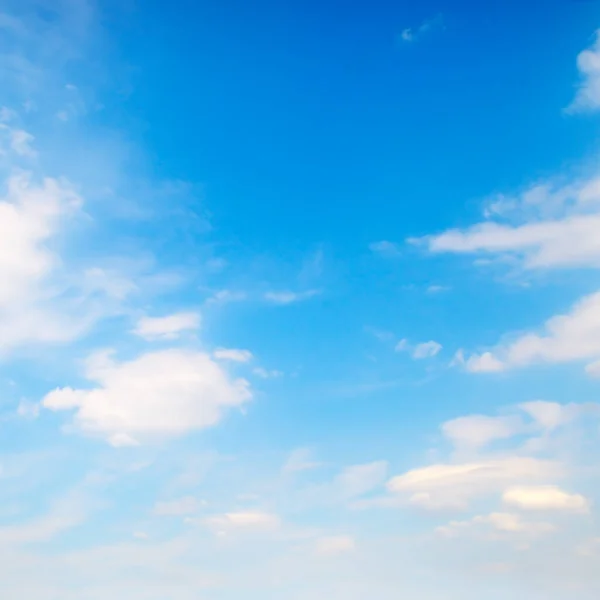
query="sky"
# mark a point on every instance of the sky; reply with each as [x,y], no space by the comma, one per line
[299,300]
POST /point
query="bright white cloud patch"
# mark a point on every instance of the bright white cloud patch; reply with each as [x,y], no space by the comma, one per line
[588,63]
[38,304]
[168,327]
[30,215]
[158,394]
[574,336]
[544,497]
[552,224]
[455,485]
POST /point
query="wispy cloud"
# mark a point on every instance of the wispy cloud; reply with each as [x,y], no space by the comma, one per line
[412,34]
[167,328]
[420,350]
[572,337]
[588,92]
[386,249]
[289,297]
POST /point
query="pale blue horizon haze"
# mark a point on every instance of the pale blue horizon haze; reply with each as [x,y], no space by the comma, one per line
[299,300]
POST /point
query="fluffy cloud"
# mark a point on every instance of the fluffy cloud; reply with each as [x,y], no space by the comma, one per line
[574,336]
[588,63]
[158,394]
[455,485]
[168,327]
[544,497]
[476,431]
[39,302]
[30,215]
[551,415]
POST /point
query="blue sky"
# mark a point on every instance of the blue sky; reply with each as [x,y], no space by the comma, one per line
[299,300]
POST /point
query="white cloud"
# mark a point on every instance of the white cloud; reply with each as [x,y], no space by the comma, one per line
[29,216]
[569,242]
[288,297]
[40,302]
[550,415]
[477,431]
[157,394]
[553,224]
[233,354]
[455,485]
[483,363]
[544,498]
[243,521]
[588,94]
[426,350]
[180,507]
[335,545]
[168,327]
[571,337]
[503,523]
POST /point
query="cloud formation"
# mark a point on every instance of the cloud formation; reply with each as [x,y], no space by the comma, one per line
[156,395]
[545,498]
[571,337]
[168,327]
[588,92]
